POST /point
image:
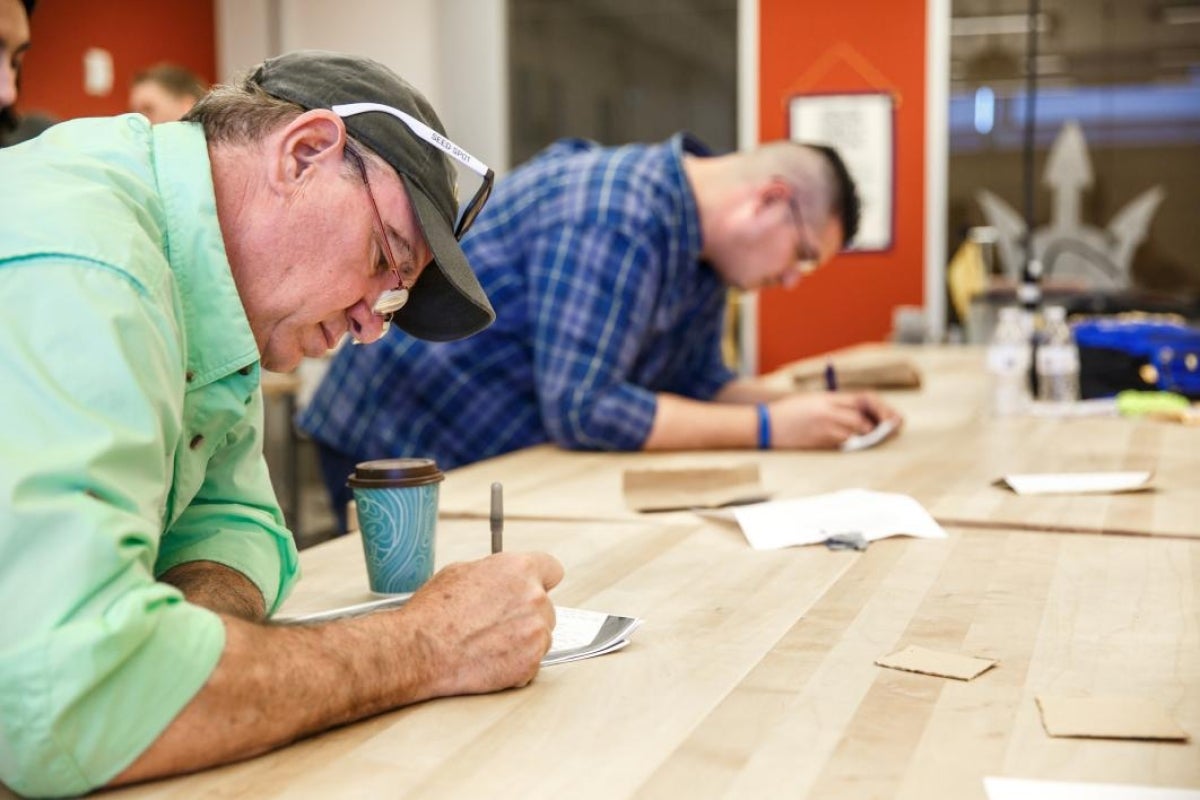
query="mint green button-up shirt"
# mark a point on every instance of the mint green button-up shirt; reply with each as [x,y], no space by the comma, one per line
[131,427]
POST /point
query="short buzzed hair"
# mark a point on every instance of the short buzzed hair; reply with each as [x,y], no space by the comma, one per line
[845,199]
[177,80]
[791,160]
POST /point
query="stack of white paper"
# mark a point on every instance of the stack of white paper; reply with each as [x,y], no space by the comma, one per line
[578,633]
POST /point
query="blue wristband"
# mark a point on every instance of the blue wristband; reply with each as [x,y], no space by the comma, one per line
[764,427]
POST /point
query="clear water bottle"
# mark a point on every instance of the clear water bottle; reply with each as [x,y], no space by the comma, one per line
[1008,360]
[1057,359]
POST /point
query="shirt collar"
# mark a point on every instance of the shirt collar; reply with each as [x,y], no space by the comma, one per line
[218,334]
[688,276]
[684,143]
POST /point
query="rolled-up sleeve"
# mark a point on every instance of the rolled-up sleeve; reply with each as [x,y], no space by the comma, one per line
[592,291]
[234,518]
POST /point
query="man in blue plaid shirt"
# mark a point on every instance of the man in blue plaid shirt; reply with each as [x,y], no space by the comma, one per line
[608,270]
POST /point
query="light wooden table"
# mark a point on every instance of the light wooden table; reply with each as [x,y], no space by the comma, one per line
[948,456]
[753,674]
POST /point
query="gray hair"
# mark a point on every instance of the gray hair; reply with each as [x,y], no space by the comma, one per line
[241,113]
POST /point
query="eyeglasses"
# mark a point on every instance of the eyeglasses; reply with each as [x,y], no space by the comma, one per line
[432,137]
[392,300]
[808,257]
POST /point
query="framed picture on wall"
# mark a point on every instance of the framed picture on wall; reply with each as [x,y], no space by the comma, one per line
[860,126]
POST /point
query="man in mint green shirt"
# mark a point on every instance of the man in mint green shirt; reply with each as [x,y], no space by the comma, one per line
[148,275]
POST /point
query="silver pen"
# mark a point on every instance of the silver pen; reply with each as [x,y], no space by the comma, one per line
[497,517]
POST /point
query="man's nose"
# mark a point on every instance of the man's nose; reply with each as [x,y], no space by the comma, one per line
[8,85]
[366,326]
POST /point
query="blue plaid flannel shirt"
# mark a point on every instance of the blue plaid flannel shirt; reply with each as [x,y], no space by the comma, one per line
[590,257]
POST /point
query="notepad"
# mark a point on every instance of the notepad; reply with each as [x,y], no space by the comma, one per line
[871,438]
[578,633]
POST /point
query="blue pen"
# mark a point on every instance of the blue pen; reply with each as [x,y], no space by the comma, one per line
[830,377]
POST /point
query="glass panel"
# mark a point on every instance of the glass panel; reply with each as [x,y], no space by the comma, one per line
[619,71]
[1117,141]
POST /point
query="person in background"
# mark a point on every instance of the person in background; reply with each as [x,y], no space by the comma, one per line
[609,269]
[165,92]
[152,272]
[14,42]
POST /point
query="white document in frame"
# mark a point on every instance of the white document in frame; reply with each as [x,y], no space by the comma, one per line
[810,520]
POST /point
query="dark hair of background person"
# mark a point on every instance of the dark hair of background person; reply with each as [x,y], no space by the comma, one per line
[849,207]
[8,116]
[175,79]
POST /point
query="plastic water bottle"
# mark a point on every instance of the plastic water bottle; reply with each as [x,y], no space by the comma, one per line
[1057,359]
[1008,360]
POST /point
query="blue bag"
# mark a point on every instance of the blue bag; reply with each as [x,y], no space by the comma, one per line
[1117,354]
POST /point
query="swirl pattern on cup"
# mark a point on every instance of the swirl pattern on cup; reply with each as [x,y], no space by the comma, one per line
[397,528]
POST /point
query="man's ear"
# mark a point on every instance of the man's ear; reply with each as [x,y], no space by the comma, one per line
[312,142]
[773,190]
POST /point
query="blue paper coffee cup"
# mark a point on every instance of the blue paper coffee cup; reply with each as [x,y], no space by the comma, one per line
[397,505]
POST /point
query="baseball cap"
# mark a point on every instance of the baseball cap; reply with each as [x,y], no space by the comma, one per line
[385,113]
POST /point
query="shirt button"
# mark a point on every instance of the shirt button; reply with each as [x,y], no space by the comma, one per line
[197,440]
[244,370]
[189,375]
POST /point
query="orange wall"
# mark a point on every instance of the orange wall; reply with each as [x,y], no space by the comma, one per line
[848,46]
[138,33]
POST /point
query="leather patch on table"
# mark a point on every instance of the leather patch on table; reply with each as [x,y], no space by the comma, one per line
[670,489]
[1110,717]
[933,662]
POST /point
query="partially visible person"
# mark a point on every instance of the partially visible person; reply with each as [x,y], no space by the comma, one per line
[14,42]
[165,92]
[608,268]
[150,273]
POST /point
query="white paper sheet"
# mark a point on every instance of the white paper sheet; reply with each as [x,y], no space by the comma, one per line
[870,438]
[1022,789]
[809,520]
[1078,482]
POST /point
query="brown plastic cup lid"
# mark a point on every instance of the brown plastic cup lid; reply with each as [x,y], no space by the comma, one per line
[389,473]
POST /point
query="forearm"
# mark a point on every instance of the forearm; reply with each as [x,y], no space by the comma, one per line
[218,588]
[275,684]
[743,390]
[474,628]
[681,423]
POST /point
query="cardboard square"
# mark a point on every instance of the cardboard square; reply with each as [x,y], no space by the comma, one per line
[933,662]
[894,374]
[1110,717]
[668,489]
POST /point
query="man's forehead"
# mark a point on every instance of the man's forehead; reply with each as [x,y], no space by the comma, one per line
[14,25]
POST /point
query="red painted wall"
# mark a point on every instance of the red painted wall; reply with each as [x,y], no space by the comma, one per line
[848,46]
[138,33]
